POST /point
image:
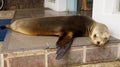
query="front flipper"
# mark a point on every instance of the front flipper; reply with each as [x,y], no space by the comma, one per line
[63,44]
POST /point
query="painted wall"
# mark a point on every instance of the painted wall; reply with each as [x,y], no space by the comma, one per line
[72,5]
[106,11]
[61,5]
[58,5]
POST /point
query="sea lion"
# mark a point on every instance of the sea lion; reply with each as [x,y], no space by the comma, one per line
[65,27]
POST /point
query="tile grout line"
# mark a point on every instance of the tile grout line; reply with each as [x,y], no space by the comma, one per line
[8,63]
[2,60]
[25,53]
[118,53]
[46,58]
[84,54]
[98,47]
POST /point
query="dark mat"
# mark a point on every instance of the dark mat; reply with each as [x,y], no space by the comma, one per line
[3,32]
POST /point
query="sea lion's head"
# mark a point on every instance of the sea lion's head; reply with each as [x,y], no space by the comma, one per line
[100,34]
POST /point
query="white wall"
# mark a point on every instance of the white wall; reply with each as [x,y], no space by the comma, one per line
[58,5]
[106,11]
[61,5]
[72,5]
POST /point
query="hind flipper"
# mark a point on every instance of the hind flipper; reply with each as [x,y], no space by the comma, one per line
[62,50]
[63,44]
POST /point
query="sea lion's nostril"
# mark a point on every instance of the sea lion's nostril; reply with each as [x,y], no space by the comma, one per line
[98,42]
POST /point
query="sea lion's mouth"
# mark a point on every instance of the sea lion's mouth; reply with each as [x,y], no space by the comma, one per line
[100,45]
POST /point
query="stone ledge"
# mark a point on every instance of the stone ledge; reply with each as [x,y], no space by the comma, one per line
[40,51]
[7,14]
[19,42]
[76,56]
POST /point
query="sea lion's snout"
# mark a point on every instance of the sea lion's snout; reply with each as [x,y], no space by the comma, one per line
[99,40]
[100,43]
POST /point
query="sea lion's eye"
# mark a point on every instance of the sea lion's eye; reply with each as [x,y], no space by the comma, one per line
[94,36]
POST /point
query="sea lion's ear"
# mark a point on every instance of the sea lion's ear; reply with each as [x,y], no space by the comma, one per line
[106,34]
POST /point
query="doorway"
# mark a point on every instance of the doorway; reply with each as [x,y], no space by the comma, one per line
[86,9]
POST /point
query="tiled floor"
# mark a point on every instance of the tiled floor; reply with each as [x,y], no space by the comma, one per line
[28,13]
[6,14]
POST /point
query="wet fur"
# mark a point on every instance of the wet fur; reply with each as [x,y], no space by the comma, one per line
[66,27]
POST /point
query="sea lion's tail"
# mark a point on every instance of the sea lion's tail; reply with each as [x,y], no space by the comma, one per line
[4,26]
